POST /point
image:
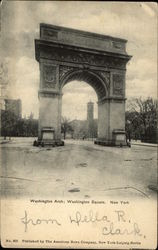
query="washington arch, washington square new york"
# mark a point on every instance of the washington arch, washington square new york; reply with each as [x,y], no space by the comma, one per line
[65,55]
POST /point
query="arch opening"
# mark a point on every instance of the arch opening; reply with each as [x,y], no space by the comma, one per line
[79,112]
[91,78]
[75,96]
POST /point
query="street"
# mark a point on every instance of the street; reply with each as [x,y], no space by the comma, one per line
[80,169]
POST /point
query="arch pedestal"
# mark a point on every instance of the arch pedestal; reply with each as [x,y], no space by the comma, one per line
[65,55]
[50,114]
[111,123]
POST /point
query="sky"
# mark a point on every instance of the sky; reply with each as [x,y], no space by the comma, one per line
[134,21]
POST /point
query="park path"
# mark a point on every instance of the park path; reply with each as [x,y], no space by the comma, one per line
[79,169]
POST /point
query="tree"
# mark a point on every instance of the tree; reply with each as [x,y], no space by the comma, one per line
[143,119]
[8,123]
[66,126]
[11,125]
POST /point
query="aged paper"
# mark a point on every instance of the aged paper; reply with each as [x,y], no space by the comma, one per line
[81,195]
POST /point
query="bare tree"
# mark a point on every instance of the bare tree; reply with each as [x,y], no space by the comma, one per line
[143,117]
[66,126]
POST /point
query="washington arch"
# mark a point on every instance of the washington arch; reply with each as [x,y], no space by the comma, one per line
[65,55]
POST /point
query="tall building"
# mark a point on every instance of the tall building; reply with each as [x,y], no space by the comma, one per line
[91,122]
[90,111]
[14,106]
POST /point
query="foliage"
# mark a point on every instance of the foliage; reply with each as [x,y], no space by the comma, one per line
[11,125]
[66,127]
[83,129]
[141,119]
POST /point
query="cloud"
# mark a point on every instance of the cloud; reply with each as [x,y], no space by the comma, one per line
[145,88]
[79,87]
[24,83]
[76,95]
[135,22]
[143,68]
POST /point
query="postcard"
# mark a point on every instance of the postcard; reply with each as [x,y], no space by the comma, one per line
[78,124]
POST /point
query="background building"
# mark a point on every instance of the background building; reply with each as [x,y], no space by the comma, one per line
[91,123]
[90,111]
[83,129]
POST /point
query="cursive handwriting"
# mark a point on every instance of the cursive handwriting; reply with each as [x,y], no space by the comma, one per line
[37,221]
[117,231]
[91,217]
[119,225]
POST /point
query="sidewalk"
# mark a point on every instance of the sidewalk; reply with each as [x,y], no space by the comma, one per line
[139,143]
[4,141]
